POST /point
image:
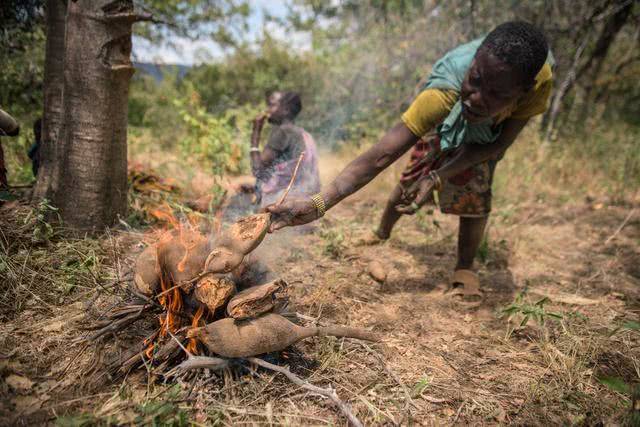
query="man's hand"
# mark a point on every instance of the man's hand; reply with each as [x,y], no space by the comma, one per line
[292,212]
[416,196]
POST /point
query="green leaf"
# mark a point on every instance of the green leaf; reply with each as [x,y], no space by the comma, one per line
[420,387]
[631,325]
[616,384]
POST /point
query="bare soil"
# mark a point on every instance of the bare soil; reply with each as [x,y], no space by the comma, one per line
[439,363]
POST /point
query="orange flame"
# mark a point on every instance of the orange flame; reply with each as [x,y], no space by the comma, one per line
[172,302]
[166,215]
[192,346]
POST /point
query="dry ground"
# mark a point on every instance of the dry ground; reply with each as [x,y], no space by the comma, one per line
[439,364]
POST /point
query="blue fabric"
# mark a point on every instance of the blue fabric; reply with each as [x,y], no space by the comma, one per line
[448,73]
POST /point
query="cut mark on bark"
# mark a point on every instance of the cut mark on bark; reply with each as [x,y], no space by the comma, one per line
[116,54]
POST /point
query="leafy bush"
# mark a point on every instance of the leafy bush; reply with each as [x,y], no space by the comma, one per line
[218,142]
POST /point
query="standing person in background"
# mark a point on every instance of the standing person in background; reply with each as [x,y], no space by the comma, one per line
[8,127]
[477,100]
[34,150]
[273,166]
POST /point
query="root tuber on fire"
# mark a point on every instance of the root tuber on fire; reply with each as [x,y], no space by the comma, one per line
[182,255]
[266,334]
[256,300]
[223,260]
[244,235]
[147,272]
[238,240]
[214,291]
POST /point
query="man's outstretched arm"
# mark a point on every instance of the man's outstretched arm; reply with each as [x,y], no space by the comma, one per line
[356,175]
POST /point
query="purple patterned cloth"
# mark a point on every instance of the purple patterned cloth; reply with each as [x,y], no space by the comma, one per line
[308,179]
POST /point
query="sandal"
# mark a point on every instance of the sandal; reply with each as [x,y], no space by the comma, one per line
[465,288]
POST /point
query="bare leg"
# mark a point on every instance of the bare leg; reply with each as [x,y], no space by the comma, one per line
[390,216]
[470,234]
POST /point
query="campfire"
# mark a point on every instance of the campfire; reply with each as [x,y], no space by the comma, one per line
[214,305]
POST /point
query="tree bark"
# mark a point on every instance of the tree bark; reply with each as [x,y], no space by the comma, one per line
[47,184]
[93,165]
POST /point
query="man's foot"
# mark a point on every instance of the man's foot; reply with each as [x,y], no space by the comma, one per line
[371,238]
[465,288]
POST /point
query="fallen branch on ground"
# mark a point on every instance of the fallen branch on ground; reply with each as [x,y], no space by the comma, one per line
[326,392]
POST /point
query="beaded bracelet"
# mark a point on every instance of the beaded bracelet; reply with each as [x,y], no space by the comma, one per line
[318,201]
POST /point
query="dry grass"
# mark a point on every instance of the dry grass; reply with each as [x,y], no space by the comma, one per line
[439,363]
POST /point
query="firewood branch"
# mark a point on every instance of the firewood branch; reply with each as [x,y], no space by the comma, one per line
[198,362]
[293,178]
[326,392]
[117,324]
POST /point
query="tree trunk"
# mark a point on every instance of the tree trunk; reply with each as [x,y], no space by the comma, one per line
[93,166]
[47,184]
[612,26]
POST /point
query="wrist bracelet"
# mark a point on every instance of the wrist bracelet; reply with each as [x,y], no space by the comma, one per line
[318,202]
[254,150]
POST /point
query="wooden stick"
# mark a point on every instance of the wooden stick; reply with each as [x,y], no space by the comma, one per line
[626,220]
[198,362]
[326,392]
[293,178]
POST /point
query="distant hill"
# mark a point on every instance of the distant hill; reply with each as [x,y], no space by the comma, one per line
[158,71]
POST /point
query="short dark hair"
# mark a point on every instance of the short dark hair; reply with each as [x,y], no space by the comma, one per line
[291,101]
[519,45]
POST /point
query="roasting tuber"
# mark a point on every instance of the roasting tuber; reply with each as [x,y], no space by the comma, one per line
[256,300]
[271,332]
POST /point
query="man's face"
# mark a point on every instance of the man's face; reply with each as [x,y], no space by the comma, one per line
[489,87]
[274,108]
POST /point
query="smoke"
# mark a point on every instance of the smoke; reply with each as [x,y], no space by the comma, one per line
[373,69]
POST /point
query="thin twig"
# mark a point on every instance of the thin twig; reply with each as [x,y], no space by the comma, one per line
[626,220]
[293,178]
[179,343]
[458,413]
[326,392]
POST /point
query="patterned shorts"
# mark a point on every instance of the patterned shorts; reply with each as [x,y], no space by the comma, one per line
[466,194]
